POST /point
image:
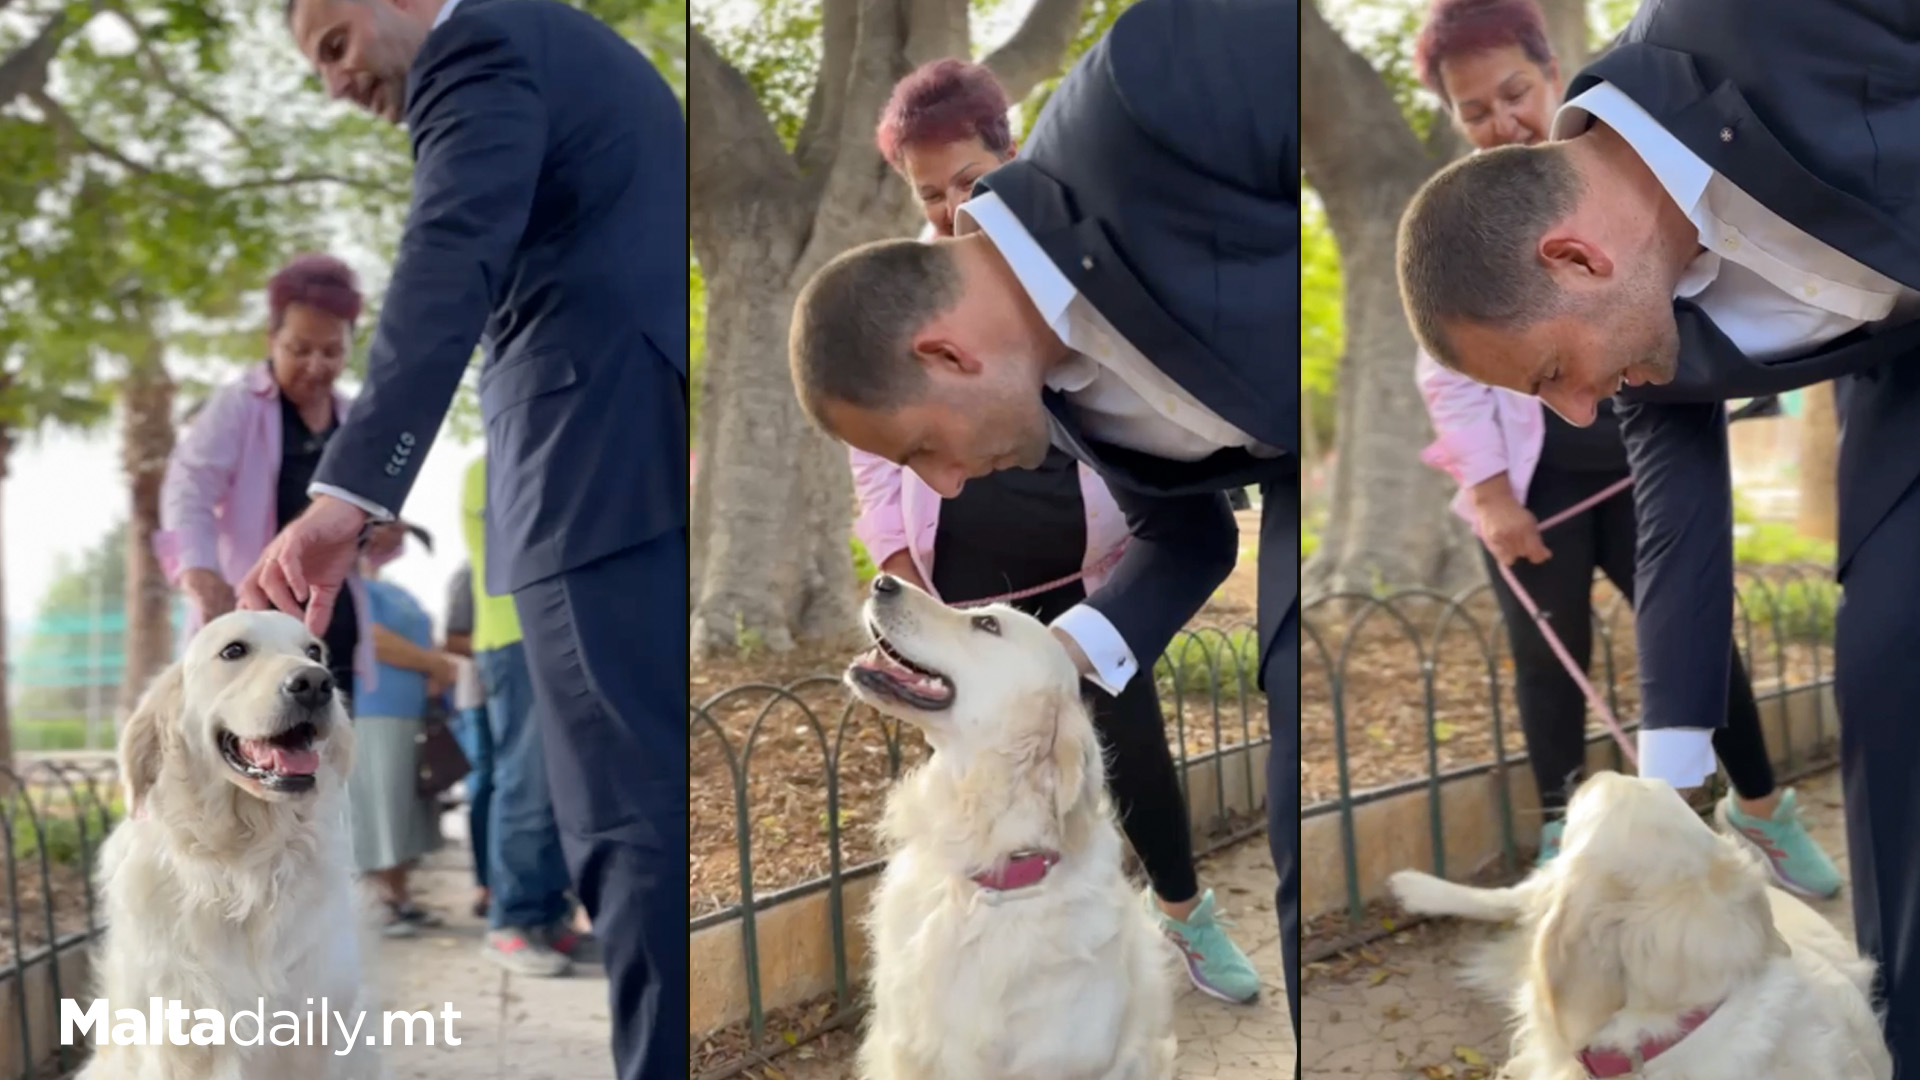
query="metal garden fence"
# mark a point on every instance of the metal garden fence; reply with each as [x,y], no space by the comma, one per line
[1216,719]
[1783,623]
[53,816]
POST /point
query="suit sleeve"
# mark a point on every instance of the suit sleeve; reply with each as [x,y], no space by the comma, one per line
[1182,548]
[479,133]
[1683,577]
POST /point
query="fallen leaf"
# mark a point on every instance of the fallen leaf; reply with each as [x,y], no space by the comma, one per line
[1469,1055]
[1443,731]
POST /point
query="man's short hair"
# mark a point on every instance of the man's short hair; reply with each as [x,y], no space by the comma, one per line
[853,324]
[1469,240]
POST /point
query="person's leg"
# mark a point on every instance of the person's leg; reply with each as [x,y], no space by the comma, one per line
[1146,794]
[476,738]
[1279,600]
[1553,711]
[529,872]
[607,648]
[1877,682]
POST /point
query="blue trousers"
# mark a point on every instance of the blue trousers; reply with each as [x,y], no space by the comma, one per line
[528,874]
[477,741]
[607,647]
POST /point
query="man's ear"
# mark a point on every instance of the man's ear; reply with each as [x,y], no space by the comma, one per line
[940,355]
[1565,253]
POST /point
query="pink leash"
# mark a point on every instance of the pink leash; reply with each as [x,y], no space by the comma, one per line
[1553,640]
[1111,560]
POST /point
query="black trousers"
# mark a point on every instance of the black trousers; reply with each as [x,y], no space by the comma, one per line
[1279,591]
[607,649]
[1877,683]
[1552,709]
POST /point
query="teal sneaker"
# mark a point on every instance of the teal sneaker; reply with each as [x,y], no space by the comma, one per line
[1797,863]
[1550,841]
[1214,963]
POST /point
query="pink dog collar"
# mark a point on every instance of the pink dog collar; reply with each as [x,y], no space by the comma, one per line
[1601,1064]
[1022,870]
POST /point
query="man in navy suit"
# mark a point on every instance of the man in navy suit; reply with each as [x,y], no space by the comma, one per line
[1732,210]
[549,223]
[1127,289]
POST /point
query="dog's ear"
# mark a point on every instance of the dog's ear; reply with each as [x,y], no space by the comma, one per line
[1078,769]
[1579,977]
[143,739]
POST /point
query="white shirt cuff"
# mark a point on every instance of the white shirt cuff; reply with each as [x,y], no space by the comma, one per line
[374,510]
[1113,662]
[1682,757]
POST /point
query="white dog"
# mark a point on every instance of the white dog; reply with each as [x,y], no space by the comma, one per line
[231,879]
[1654,947]
[1007,942]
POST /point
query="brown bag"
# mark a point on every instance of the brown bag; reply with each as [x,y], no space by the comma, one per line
[441,761]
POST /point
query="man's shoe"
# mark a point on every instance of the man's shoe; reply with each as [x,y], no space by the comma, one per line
[1214,963]
[571,943]
[525,952]
[1794,859]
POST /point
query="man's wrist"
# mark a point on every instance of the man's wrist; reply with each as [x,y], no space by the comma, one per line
[376,514]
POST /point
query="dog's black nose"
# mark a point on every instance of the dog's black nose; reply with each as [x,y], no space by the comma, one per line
[886,585]
[312,687]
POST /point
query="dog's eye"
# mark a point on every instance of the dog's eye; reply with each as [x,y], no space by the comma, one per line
[315,654]
[234,651]
[988,623]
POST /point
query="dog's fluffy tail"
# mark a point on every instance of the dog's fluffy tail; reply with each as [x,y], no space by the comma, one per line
[1424,894]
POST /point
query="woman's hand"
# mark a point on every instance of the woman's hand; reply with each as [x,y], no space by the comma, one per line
[1509,529]
[445,673]
[209,592]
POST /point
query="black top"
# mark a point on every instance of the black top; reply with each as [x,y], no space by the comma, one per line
[1011,530]
[300,450]
[1595,448]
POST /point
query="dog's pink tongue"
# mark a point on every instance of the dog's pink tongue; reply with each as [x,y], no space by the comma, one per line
[267,755]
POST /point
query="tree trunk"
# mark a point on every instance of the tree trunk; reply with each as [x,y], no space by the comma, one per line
[771,564]
[146,443]
[6,712]
[1819,513]
[1387,524]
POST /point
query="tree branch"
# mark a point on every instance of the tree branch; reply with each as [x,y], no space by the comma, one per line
[1033,54]
[297,179]
[157,72]
[819,134]
[877,61]
[24,71]
[1351,130]
[65,124]
[733,153]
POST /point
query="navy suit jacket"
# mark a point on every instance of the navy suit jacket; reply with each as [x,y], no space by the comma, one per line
[1813,108]
[549,213]
[1163,179]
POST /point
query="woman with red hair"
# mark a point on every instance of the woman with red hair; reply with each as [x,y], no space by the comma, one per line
[242,468]
[1055,529]
[1518,463]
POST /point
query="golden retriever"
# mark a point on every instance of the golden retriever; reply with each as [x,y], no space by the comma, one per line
[1653,946]
[230,881]
[1007,943]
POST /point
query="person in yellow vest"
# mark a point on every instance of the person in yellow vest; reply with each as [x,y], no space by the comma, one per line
[529,926]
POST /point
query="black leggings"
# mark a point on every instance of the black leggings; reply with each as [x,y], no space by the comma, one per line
[1552,709]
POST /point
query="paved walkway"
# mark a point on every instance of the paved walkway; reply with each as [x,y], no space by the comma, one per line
[510,1027]
[1217,1041]
[1400,1012]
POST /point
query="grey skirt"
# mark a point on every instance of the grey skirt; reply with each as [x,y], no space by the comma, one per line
[392,822]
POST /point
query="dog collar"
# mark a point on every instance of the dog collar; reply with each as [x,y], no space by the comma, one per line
[1022,870]
[1601,1064]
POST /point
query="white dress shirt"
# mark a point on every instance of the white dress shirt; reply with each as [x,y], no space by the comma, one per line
[1117,395]
[1770,287]
[372,509]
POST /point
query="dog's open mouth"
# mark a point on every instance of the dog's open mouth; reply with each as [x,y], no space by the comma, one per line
[883,670]
[285,762]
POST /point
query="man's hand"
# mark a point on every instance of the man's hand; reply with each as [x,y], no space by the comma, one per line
[307,563]
[1509,529]
[209,592]
[1080,661]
